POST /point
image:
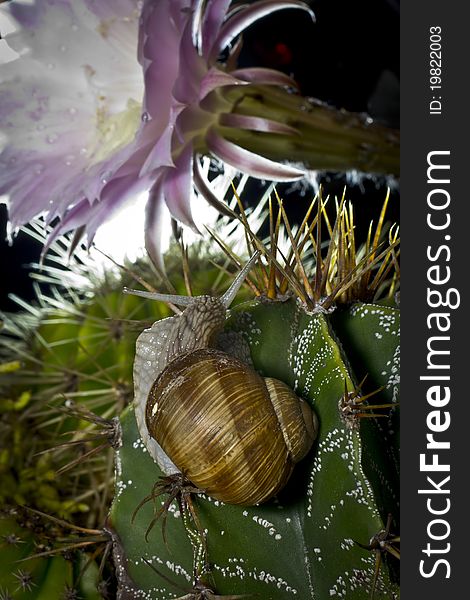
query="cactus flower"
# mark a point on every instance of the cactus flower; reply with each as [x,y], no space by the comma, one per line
[87,127]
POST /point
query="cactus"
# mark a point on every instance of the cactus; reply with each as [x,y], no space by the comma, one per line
[323,320]
[335,499]
[45,576]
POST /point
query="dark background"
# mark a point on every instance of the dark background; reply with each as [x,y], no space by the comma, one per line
[350,58]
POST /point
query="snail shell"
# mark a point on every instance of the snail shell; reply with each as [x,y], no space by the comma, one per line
[234,434]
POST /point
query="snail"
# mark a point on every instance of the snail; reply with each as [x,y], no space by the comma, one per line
[235,435]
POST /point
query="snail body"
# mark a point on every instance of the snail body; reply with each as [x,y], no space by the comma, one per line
[234,434]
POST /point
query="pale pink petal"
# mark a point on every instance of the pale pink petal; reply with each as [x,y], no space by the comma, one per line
[179,10]
[214,79]
[160,51]
[249,162]
[214,16]
[177,187]
[264,76]
[75,218]
[161,153]
[154,212]
[192,69]
[107,9]
[248,15]
[255,124]
[27,15]
[50,159]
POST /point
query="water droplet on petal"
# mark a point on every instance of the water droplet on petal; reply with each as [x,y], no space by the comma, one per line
[145,117]
[63,48]
[74,27]
[83,150]
[69,159]
[52,138]
[38,169]
[105,177]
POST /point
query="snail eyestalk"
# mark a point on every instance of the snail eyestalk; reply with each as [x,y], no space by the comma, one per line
[170,298]
[230,294]
[226,299]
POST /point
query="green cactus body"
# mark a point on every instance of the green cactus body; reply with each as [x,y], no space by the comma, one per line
[309,541]
[38,578]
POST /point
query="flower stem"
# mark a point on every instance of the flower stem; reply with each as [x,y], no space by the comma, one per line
[328,138]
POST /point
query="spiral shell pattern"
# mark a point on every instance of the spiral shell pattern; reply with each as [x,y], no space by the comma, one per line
[234,435]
